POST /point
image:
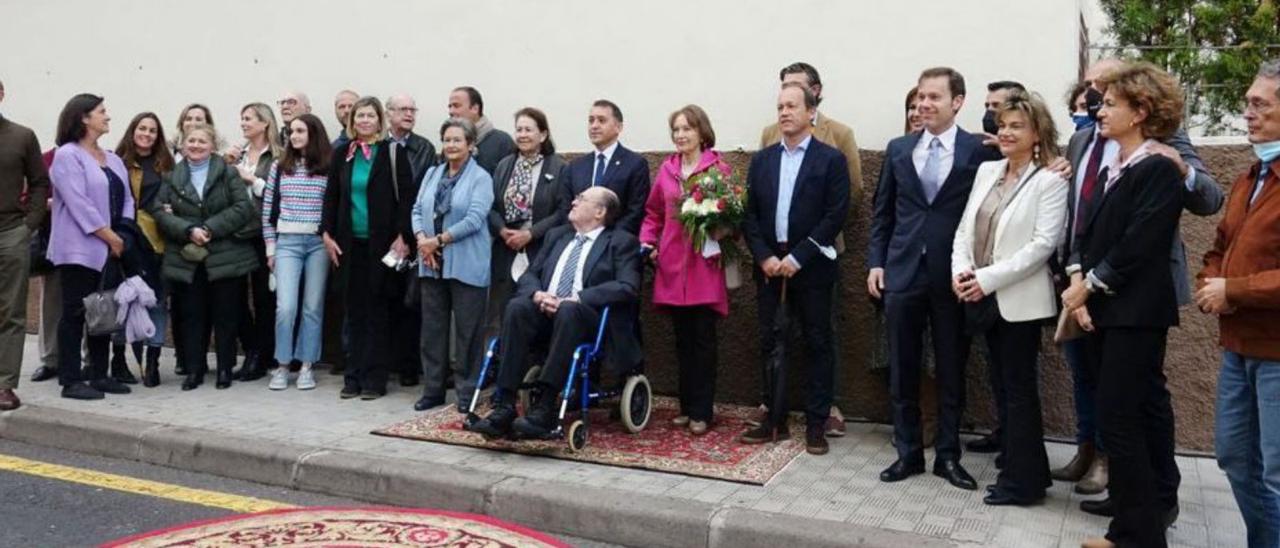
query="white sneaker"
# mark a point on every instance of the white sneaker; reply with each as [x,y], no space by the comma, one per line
[306,380]
[279,379]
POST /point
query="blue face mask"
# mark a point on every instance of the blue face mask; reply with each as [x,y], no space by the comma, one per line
[1267,151]
[1083,120]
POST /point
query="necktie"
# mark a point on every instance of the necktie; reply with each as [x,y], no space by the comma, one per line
[932,166]
[599,178]
[1088,187]
[1262,179]
[565,287]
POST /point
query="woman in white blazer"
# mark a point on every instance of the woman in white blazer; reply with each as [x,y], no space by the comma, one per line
[1012,224]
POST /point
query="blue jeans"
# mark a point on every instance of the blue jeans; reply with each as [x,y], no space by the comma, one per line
[1247,442]
[1085,386]
[299,255]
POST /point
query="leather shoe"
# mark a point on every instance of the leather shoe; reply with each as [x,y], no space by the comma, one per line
[498,424]
[955,474]
[81,391]
[537,424]
[8,400]
[999,497]
[193,381]
[815,440]
[428,402]
[223,380]
[765,433]
[900,470]
[44,373]
[108,385]
[1107,509]
[986,444]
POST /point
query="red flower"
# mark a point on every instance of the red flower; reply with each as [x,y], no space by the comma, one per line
[697,196]
[721,204]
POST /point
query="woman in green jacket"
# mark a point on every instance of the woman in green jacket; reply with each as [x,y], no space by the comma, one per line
[199,209]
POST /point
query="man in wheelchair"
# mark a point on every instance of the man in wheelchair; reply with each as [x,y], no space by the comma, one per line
[582,268]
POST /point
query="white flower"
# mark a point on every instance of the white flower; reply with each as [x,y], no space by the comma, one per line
[688,206]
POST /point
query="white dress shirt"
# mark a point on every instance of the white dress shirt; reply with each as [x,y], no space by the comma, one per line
[946,156]
[595,159]
[582,262]
[788,170]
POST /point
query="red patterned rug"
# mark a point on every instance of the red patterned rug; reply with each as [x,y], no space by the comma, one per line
[661,446]
[348,527]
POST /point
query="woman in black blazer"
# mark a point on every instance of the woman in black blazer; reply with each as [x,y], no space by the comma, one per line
[1122,295]
[366,221]
[526,196]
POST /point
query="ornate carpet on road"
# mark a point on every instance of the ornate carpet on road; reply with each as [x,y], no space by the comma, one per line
[661,446]
[365,527]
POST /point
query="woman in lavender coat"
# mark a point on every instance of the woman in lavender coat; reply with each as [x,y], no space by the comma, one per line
[90,197]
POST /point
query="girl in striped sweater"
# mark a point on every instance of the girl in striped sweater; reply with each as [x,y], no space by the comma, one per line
[292,206]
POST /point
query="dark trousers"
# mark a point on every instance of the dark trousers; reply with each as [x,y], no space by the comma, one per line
[1014,348]
[811,307]
[525,328]
[695,328]
[442,301]
[369,320]
[257,327]
[333,345]
[77,283]
[204,305]
[1136,424]
[907,312]
[998,387]
[406,356]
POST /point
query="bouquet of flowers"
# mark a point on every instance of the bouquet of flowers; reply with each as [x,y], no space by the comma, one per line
[711,208]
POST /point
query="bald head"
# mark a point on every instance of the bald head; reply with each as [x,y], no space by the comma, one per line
[595,207]
[1101,67]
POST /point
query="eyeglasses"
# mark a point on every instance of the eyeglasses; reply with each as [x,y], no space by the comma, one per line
[410,110]
[287,102]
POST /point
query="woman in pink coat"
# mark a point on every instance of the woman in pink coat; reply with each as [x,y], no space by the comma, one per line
[689,284]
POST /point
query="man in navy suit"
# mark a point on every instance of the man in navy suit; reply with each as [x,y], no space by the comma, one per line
[610,165]
[797,201]
[924,186]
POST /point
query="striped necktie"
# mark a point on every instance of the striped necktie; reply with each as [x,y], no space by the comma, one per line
[564,289]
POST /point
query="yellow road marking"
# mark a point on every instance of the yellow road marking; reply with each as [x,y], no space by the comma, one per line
[235,503]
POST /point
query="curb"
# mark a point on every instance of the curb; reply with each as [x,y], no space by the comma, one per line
[630,519]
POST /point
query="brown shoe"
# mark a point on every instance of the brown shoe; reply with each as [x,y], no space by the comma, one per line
[8,400]
[1079,465]
[1095,480]
[682,420]
[815,441]
[698,428]
[764,434]
[761,418]
[1097,543]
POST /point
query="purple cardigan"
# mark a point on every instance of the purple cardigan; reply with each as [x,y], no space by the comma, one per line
[82,205]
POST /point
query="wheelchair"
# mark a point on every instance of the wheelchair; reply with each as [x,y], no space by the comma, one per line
[635,398]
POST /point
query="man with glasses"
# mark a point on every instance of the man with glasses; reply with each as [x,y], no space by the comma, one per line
[293,104]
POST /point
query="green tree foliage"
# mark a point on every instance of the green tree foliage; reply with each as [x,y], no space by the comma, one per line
[1213,46]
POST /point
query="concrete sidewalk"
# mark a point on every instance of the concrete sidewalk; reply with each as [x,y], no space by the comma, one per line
[313,441]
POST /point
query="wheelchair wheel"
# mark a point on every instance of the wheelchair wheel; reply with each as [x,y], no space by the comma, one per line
[524,395]
[577,437]
[636,401]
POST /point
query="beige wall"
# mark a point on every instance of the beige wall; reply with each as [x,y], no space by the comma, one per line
[650,57]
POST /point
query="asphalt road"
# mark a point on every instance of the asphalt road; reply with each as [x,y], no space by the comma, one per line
[38,511]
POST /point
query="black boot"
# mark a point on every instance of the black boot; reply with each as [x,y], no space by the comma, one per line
[151,372]
[137,353]
[120,366]
[252,368]
[224,377]
[195,378]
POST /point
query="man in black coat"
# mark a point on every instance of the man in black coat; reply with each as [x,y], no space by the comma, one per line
[610,165]
[797,201]
[492,144]
[582,268]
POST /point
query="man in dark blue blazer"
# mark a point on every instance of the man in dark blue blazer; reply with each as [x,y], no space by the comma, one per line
[797,201]
[610,165]
[924,186]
